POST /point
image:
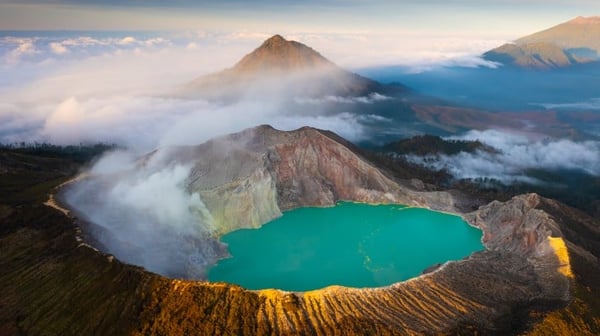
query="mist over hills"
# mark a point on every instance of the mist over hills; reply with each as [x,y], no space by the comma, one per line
[554,74]
[301,82]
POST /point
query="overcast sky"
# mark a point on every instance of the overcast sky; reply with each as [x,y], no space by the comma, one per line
[496,18]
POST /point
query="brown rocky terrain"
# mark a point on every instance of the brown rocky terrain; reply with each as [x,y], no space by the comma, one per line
[538,273]
[536,55]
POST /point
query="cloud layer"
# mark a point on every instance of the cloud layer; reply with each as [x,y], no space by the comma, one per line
[592,104]
[116,89]
[517,154]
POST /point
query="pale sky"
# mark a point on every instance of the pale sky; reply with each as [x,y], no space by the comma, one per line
[496,18]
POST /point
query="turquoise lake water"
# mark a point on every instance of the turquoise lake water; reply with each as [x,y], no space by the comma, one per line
[351,244]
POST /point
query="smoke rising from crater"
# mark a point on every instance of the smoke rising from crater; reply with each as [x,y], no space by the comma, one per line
[141,211]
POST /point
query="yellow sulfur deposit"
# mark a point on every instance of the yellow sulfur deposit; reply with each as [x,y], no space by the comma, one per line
[560,249]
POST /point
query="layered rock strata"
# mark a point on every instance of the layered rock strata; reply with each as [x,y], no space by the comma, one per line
[247,179]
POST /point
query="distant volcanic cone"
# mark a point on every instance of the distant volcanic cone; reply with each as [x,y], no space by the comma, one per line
[573,42]
[284,68]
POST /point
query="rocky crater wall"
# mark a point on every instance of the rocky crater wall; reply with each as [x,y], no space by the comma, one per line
[247,179]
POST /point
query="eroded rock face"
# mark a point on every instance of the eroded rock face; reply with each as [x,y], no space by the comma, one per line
[248,178]
[516,225]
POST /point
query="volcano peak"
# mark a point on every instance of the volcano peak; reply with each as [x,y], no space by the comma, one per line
[281,55]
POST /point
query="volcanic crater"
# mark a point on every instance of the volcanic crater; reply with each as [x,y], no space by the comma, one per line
[246,179]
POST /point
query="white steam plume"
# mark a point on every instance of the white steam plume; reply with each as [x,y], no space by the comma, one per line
[143,214]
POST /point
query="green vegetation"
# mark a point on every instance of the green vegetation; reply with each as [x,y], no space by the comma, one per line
[28,172]
[574,188]
[424,145]
[78,153]
[400,168]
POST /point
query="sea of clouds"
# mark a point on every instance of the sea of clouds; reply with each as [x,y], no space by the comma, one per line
[117,89]
[72,87]
[515,154]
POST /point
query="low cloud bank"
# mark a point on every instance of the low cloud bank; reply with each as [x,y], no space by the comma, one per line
[102,88]
[592,104]
[516,154]
[370,99]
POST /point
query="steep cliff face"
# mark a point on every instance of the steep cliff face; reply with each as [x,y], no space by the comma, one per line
[231,175]
[247,179]
[312,169]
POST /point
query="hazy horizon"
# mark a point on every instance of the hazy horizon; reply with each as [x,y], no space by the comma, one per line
[378,32]
[68,87]
[384,16]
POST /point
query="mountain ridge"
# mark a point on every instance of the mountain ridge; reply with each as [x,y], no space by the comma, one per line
[580,32]
[576,41]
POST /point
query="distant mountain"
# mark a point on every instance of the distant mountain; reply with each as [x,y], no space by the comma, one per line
[574,42]
[281,67]
[279,56]
[581,32]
